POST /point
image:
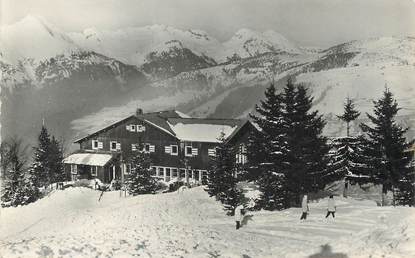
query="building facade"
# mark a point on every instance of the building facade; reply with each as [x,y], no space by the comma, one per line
[180,147]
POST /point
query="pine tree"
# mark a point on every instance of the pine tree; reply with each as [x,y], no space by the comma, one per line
[386,145]
[41,166]
[265,151]
[350,114]
[56,168]
[17,189]
[222,181]
[140,181]
[305,152]
[345,154]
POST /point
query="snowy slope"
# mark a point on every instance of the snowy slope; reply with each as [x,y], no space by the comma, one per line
[72,223]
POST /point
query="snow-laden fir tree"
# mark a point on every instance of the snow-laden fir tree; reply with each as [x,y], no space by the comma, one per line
[57,173]
[349,114]
[346,152]
[386,147]
[41,165]
[305,149]
[139,180]
[222,180]
[17,188]
[265,148]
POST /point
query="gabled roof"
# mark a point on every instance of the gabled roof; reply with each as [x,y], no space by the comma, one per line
[183,127]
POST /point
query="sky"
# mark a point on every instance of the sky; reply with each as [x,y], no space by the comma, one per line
[307,22]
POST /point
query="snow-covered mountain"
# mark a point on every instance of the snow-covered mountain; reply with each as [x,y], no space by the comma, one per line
[95,77]
[249,43]
[34,38]
[132,45]
[171,58]
[359,69]
[44,74]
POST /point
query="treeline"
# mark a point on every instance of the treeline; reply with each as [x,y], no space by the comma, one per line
[23,183]
[289,156]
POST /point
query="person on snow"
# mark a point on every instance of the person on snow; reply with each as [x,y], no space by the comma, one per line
[331,208]
[304,206]
[238,214]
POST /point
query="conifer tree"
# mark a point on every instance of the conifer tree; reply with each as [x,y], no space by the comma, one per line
[265,151]
[41,165]
[57,173]
[305,152]
[222,181]
[346,152]
[386,146]
[140,181]
[17,189]
[349,114]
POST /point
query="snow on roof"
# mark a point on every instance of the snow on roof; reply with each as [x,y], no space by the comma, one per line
[201,132]
[92,159]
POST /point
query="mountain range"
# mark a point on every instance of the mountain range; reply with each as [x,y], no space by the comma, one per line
[80,81]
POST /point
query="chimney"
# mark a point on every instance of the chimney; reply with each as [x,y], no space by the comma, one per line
[138,112]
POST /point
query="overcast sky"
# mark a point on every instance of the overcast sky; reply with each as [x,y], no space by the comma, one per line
[307,22]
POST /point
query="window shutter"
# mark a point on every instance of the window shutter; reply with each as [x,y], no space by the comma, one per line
[100,145]
[118,146]
[212,152]
[128,127]
[141,128]
[194,151]
[133,147]
[167,149]
[152,148]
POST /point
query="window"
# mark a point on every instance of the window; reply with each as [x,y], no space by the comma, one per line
[174,172]
[74,169]
[94,170]
[241,157]
[188,152]
[147,147]
[153,171]
[96,145]
[127,168]
[174,150]
[115,146]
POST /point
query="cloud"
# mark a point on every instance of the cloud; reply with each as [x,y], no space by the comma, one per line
[309,22]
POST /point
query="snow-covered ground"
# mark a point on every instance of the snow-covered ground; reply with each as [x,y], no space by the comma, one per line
[72,223]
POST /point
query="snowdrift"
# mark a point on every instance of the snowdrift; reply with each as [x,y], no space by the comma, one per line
[73,223]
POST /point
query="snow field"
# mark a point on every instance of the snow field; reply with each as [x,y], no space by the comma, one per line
[72,223]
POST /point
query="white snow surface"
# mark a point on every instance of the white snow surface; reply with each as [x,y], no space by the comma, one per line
[73,223]
[201,132]
[92,159]
[33,38]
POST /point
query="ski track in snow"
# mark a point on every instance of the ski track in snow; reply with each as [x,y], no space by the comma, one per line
[72,223]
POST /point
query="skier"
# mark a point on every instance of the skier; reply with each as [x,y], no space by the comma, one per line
[238,215]
[331,208]
[304,206]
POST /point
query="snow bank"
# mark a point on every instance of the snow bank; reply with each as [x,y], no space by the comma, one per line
[73,223]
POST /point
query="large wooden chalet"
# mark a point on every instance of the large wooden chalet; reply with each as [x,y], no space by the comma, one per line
[180,147]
